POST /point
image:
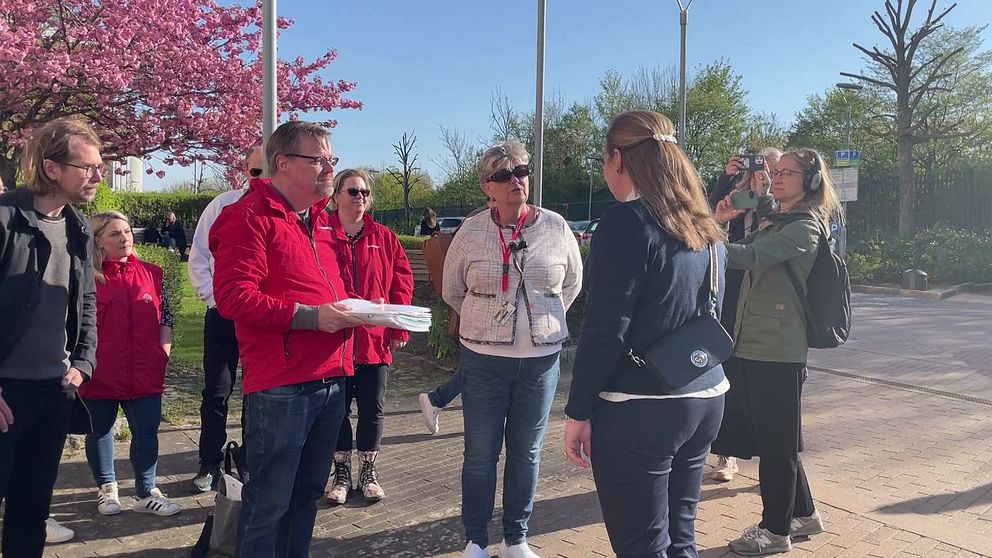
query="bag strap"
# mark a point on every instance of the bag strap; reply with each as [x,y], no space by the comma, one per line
[714,280]
[233,460]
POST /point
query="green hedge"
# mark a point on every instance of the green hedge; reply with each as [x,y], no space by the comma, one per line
[411,242]
[946,254]
[172,268]
[148,209]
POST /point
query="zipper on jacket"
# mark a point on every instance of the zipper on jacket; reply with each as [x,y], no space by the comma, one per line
[334,292]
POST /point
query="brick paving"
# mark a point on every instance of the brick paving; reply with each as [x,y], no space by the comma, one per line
[896,471]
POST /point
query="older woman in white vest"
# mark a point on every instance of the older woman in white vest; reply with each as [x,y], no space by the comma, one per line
[511,273]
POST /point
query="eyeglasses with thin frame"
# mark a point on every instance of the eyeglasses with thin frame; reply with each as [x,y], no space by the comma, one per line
[504,175]
[91,170]
[320,161]
[354,192]
[785,173]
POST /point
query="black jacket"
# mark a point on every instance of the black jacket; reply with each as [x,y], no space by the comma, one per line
[24,253]
[641,283]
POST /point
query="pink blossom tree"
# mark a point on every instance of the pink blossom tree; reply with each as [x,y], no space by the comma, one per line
[180,77]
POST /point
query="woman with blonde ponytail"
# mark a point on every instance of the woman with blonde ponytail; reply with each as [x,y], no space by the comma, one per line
[648,273]
[769,360]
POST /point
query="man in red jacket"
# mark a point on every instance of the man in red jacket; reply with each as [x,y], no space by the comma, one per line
[276,277]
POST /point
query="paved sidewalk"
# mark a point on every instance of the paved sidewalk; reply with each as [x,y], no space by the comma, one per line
[899,454]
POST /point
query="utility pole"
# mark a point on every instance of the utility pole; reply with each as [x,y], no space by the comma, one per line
[683,21]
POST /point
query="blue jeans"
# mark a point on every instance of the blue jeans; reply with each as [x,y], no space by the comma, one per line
[289,437]
[503,398]
[447,392]
[143,417]
[648,467]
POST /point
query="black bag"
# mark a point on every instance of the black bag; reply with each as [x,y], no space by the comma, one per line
[693,349]
[826,297]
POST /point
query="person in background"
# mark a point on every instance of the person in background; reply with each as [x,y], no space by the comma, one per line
[428,223]
[440,397]
[134,324]
[276,277]
[48,330]
[771,349]
[511,274]
[220,344]
[378,270]
[649,272]
[3,187]
[174,234]
[759,182]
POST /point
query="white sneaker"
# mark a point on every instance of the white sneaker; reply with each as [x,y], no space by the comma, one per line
[726,468]
[806,526]
[521,550]
[757,541]
[473,550]
[107,500]
[431,413]
[157,503]
[56,533]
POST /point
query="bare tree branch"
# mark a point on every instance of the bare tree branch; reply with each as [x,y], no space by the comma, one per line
[870,80]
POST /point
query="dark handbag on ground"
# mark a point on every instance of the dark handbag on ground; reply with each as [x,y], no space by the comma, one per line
[227,504]
[693,349]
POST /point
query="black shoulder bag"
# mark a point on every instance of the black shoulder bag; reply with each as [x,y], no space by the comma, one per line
[696,347]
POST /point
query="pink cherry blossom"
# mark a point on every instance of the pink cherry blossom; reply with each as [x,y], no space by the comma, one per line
[183,77]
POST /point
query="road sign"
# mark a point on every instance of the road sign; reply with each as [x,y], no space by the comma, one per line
[845,182]
[847,158]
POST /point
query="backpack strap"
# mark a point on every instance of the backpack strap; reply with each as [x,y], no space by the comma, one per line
[790,268]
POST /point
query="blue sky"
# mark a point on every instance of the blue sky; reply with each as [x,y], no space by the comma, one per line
[423,64]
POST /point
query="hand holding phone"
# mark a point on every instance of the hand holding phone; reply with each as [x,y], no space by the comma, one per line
[744,199]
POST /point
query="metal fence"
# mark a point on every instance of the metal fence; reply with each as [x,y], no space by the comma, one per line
[959,198]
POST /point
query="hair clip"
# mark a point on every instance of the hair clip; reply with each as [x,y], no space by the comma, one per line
[664,137]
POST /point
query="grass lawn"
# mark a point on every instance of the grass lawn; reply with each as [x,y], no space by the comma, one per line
[184,381]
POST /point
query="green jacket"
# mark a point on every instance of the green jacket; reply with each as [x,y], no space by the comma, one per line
[771,324]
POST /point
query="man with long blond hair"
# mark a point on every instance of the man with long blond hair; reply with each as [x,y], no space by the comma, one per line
[48,334]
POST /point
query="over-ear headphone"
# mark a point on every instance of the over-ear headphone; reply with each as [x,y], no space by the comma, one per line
[814,177]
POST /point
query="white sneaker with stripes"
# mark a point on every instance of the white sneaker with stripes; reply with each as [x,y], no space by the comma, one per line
[158,504]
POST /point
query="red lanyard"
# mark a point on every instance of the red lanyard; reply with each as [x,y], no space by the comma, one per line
[506,247]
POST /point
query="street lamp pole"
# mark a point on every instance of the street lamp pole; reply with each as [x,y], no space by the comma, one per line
[853,88]
[269,56]
[589,212]
[683,21]
[539,108]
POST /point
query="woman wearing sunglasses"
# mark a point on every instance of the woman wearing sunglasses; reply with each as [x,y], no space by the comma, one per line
[769,360]
[649,273]
[376,268]
[511,273]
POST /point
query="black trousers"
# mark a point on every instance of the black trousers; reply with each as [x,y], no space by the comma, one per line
[368,388]
[30,452]
[220,372]
[648,458]
[763,417]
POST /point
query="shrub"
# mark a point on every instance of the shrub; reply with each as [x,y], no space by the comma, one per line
[411,242]
[172,271]
[149,209]
[947,254]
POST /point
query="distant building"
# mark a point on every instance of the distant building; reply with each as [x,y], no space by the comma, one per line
[133,181]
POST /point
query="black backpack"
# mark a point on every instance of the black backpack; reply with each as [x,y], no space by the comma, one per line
[827,300]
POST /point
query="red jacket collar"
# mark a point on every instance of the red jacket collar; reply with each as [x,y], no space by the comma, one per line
[116,268]
[335,223]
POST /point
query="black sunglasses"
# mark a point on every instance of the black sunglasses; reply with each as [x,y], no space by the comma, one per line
[504,175]
[254,173]
[353,192]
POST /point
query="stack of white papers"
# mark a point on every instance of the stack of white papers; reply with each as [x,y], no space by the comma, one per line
[396,316]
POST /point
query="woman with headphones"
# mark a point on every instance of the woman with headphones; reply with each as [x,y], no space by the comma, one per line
[770,348]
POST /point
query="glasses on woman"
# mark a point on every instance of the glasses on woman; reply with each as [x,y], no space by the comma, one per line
[504,175]
[91,170]
[355,192]
[785,173]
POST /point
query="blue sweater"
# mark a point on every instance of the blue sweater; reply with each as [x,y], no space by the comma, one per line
[642,284]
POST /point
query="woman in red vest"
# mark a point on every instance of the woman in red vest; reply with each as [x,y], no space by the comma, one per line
[134,328]
[374,267]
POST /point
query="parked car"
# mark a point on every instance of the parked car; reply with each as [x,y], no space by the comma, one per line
[449,224]
[586,237]
[577,228]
